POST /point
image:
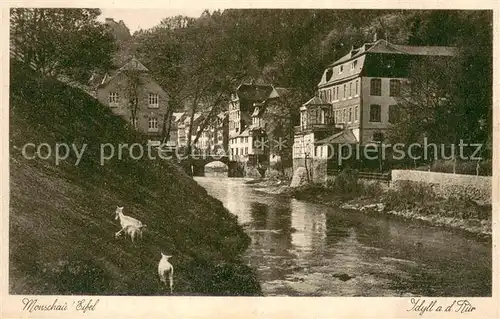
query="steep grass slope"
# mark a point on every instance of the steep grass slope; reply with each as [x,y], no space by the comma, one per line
[62,217]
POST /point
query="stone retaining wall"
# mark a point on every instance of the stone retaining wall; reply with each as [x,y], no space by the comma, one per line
[478,188]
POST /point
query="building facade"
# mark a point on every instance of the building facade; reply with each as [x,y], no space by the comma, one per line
[133,94]
[357,100]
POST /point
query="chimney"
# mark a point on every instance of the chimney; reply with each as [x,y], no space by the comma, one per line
[375,37]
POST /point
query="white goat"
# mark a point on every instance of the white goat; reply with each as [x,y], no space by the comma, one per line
[165,268]
[125,220]
[133,232]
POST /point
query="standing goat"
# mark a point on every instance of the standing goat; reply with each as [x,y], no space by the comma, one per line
[133,232]
[165,268]
[125,220]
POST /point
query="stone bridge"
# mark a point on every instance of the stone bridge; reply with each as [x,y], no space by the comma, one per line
[194,164]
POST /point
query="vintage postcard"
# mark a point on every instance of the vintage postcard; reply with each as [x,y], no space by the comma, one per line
[250,160]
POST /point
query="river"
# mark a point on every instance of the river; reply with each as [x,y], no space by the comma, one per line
[306,249]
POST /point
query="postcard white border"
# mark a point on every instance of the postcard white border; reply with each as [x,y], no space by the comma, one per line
[244,307]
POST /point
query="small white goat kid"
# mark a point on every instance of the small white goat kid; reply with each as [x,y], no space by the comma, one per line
[165,268]
[126,220]
[133,232]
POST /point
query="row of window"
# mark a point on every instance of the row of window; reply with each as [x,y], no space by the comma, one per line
[347,115]
[353,65]
[240,139]
[348,90]
[239,151]
[153,99]
[152,123]
[376,87]
[351,89]
[375,113]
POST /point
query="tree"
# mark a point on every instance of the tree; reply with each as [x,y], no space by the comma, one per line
[452,98]
[61,41]
[133,84]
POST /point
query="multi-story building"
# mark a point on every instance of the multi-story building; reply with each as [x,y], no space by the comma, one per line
[247,137]
[132,90]
[357,97]
[218,134]
[213,138]
[364,85]
[241,108]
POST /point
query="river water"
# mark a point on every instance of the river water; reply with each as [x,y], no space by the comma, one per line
[306,249]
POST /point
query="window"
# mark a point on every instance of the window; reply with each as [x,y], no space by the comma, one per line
[345,91]
[376,87]
[356,113]
[246,150]
[344,116]
[134,121]
[374,113]
[328,74]
[350,114]
[153,124]
[334,94]
[357,87]
[153,100]
[113,99]
[394,88]
[350,89]
[237,149]
[354,64]
[341,69]
[246,139]
[393,114]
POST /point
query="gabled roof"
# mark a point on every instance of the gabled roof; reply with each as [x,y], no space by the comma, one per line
[316,100]
[134,65]
[277,92]
[246,132]
[343,137]
[177,116]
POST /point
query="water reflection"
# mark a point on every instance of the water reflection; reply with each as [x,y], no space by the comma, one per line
[301,248]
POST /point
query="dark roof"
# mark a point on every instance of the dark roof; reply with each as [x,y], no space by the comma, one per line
[382,46]
[254,92]
[426,50]
[343,137]
[379,47]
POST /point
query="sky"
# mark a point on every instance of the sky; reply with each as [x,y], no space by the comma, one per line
[136,19]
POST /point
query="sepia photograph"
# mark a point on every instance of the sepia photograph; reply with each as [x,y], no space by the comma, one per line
[250,152]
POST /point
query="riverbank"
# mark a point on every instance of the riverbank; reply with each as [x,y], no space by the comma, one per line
[61,217]
[410,201]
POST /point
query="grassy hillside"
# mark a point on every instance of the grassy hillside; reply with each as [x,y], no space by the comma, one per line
[62,217]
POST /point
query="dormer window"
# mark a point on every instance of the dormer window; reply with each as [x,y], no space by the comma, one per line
[341,69]
[354,64]
[328,75]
